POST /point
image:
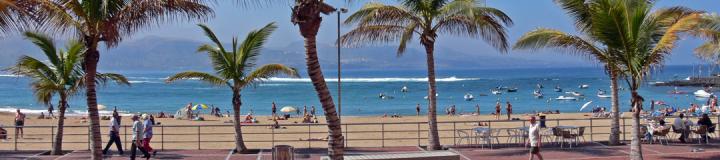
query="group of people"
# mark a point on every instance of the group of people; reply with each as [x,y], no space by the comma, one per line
[142,133]
[682,125]
[508,108]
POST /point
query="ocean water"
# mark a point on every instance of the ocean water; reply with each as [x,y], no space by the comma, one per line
[149,93]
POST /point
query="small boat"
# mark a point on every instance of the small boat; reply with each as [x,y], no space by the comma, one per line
[468,97]
[482,94]
[512,89]
[404,89]
[600,91]
[436,95]
[539,86]
[575,93]
[603,96]
[537,94]
[384,96]
[676,91]
[495,91]
[702,94]
[558,89]
[584,86]
[565,98]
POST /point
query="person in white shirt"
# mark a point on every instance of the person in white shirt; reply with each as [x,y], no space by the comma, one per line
[534,139]
[149,122]
[114,133]
[137,135]
[680,125]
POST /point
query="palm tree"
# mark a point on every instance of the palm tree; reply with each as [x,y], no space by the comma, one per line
[109,21]
[14,15]
[234,69]
[61,75]
[641,38]
[381,23]
[306,15]
[709,29]
[583,45]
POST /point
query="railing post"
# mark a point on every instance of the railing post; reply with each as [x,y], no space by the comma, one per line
[454,133]
[591,130]
[162,138]
[347,137]
[272,136]
[382,136]
[623,127]
[52,136]
[16,137]
[418,133]
[198,135]
[557,122]
[88,135]
[125,136]
[308,139]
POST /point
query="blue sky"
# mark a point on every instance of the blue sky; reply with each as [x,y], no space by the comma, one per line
[232,19]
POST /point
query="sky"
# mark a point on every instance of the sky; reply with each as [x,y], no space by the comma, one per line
[233,19]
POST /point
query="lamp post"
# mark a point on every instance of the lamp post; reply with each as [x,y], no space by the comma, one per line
[342,10]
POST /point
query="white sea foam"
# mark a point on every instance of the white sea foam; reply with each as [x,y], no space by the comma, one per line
[9,75]
[69,113]
[145,81]
[448,79]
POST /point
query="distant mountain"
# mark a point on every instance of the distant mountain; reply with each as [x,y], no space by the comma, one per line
[157,53]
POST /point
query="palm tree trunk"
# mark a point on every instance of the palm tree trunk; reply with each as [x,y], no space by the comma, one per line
[615,110]
[57,146]
[239,143]
[335,139]
[635,147]
[433,138]
[306,14]
[92,57]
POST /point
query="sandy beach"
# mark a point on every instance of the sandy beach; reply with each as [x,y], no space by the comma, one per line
[363,131]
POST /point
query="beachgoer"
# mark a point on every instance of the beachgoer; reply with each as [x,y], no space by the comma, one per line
[679,125]
[652,106]
[497,110]
[477,109]
[274,109]
[705,121]
[452,110]
[50,110]
[305,110]
[188,111]
[654,129]
[41,116]
[114,133]
[137,135]
[148,132]
[417,109]
[297,112]
[161,114]
[19,123]
[509,110]
[312,110]
[534,139]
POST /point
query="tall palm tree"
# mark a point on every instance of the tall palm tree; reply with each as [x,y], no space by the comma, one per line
[109,21]
[382,23]
[61,75]
[642,38]
[583,45]
[306,15]
[234,68]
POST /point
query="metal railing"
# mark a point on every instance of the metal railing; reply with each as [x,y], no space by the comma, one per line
[298,135]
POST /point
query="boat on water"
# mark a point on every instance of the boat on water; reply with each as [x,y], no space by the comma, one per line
[539,86]
[676,91]
[384,96]
[565,98]
[436,95]
[468,97]
[584,86]
[702,94]
[512,89]
[601,94]
[537,94]
[558,89]
[482,94]
[575,93]
[404,89]
[495,91]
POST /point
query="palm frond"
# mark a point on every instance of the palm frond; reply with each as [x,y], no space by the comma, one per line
[375,13]
[204,77]
[268,71]
[250,48]
[45,44]
[104,78]
[550,38]
[476,22]
[579,10]
[372,35]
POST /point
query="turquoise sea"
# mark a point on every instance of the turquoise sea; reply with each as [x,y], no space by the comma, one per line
[361,89]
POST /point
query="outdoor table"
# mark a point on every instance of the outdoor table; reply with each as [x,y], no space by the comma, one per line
[571,129]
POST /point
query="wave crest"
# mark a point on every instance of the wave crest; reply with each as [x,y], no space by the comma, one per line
[448,79]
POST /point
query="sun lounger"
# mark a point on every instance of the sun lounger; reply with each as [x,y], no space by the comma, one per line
[433,155]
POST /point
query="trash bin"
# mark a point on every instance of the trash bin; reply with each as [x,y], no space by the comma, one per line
[542,121]
[283,152]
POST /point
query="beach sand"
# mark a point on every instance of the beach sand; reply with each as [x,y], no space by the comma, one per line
[363,131]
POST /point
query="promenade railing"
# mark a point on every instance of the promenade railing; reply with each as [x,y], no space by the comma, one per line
[299,135]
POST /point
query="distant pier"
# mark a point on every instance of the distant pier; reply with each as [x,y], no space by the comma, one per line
[694,82]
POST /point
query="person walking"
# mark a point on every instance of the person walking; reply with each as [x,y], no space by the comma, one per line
[312,110]
[305,110]
[114,133]
[137,135]
[148,132]
[477,109]
[50,110]
[274,109]
[417,109]
[188,111]
[509,110]
[534,139]
[497,110]
[19,123]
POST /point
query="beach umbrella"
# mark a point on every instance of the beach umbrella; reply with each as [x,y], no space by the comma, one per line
[585,105]
[199,106]
[288,109]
